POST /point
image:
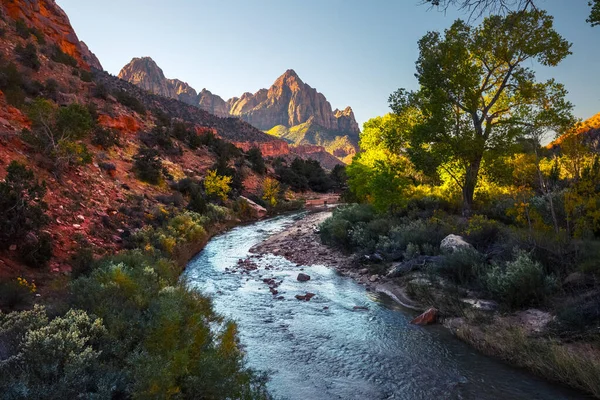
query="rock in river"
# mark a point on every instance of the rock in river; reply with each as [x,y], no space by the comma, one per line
[303,277]
[427,318]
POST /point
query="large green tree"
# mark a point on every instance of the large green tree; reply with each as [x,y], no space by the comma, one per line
[478,93]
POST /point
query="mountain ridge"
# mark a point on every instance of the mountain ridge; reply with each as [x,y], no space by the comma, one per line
[289,102]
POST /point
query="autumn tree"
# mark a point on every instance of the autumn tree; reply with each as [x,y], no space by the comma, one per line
[217,185]
[271,190]
[478,94]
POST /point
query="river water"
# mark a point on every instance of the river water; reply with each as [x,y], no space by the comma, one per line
[325,349]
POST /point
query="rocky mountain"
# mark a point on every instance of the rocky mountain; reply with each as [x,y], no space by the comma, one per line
[588,131]
[289,104]
[52,22]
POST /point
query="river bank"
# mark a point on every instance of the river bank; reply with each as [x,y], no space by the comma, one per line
[519,339]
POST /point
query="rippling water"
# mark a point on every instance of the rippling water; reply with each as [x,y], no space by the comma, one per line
[324,349]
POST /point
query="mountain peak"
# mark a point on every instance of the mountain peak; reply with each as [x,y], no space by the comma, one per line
[289,78]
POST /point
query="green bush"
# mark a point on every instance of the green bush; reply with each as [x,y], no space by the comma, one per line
[63,58]
[337,231]
[130,101]
[463,267]
[22,209]
[148,165]
[22,29]
[519,283]
[36,251]
[256,160]
[105,138]
[14,295]
[28,56]
[11,84]
[419,232]
[49,359]
[86,76]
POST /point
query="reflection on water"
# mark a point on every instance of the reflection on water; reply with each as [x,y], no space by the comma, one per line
[325,349]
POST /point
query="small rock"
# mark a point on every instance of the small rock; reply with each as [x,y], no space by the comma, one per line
[303,277]
[305,297]
[363,271]
[13,247]
[81,218]
[360,308]
[427,318]
[374,278]
[452,243]
[76,226]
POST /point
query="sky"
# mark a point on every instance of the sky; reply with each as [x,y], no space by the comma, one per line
[355,52]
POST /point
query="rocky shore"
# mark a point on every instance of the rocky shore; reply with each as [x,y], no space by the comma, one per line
[301,244]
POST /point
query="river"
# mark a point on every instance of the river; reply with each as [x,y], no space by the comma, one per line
[326,349]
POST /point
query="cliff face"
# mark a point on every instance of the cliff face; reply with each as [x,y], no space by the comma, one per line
[288,104]
[51,21]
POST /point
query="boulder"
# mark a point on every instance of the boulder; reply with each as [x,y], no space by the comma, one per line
[260,210]
[578,280]
[303,277]
[427,318]
[452,243]
[483,305]
[374,278]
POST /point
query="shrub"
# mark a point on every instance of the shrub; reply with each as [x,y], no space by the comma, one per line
[51,89]
[22,29]
[148,165]
[53,358]
[11,83]
[22,209]
[418,232]
[256,160]
[519,283]
[36,251]
[482,232]
[271,191]
[462,267]
[54,132]
[130,101]
[63,58]
[28,56]
[14,294]
[105,138]
[101,91]
[86,76]
[337,230]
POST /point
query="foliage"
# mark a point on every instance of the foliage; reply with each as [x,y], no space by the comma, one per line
[105,138]
[28,56]
[22,29]
[271,191]
[36,250]
[15,293]
[463,267]
[22,209]
[46,358]
[11,84]
[130,101]
[217,185]
[521,282]
[63,58]
[478,96]
[337,230]
[303,175]
[255,157]
[148,165]
[594,18]
[57,133]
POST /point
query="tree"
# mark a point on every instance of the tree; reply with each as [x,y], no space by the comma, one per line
[56,132]
[594,18]
[271,190]
[256,159]
[148,165]
[477,96]
[217,185]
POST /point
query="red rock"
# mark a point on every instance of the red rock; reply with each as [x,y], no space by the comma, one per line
[303,277]
[428,317]
[305,297]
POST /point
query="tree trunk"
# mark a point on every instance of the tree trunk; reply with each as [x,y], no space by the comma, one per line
[468,190]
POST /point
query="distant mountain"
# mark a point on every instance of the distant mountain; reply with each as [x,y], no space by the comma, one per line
[590,131]
[289,109]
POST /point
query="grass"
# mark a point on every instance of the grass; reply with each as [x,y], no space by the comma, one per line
[577,366]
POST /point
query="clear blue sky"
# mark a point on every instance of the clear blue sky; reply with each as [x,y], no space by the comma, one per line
[355,52]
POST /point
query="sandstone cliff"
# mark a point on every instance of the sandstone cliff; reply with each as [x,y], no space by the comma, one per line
[47,17]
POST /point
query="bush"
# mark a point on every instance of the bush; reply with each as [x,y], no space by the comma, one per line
[54,358]
[148,165]
[28,56]
[463,267]
[86,76]
[256,160]
[63,58]
[519,283]
[101,91]
[11,83]
[22,29]
[428,233]
[22,209]
[130,101]
[105,138]
[36,251]
[337,231]
[14,294]
[216,185]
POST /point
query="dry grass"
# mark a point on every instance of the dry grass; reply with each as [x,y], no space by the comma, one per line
[577,366]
